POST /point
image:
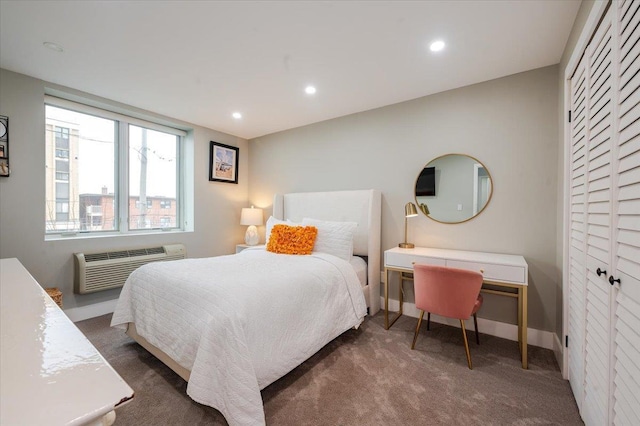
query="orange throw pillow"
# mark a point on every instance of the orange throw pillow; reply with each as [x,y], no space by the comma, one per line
[285,239]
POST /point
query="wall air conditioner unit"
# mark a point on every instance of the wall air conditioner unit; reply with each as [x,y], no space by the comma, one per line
[110,269]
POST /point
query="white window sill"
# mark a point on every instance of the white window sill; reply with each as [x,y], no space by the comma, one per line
[93,235]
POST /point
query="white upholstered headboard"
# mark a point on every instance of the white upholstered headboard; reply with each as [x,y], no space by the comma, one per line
[361,206]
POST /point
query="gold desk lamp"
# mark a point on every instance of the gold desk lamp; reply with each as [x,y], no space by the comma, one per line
[409,211]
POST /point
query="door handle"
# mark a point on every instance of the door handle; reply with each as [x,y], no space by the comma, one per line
[600,272]
[612,281]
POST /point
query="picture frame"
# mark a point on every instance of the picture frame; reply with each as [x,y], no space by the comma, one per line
[223,162]
[4,146]
[4,167]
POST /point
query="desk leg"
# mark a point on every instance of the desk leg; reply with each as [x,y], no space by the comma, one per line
[520,319]
[388,323]
[386,299]
[522,324]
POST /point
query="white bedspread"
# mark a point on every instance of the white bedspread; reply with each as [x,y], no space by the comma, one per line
[240,322]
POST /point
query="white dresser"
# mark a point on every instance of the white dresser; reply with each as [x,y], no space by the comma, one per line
[504,272]
[50,373]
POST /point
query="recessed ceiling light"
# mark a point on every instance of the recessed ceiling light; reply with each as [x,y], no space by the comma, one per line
[310,90]
[53,46]
[437,46]
[237,115]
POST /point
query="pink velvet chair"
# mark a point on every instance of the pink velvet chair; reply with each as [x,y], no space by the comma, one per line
[449,292]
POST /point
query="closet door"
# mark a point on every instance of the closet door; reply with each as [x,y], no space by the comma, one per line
[598,219]
[577,287]
[626,247]
[604,164]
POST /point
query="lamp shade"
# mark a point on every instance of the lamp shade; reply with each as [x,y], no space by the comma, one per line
[410,210]
[251,216]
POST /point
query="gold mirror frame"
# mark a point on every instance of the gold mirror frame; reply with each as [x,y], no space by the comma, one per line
[427,206]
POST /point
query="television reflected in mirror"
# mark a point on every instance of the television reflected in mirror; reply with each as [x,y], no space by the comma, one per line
[426,183]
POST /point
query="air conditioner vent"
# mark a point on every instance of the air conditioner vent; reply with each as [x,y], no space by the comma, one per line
[96,256]
[118,254]
[155,250]
[121,254]
[140,252]
[106,270]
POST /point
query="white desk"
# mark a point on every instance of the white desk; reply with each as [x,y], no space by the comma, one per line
[50,373]
[500,270]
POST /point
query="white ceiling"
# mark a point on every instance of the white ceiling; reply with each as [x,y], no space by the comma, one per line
[200,61]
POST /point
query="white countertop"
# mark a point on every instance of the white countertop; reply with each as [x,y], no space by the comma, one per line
[49,371]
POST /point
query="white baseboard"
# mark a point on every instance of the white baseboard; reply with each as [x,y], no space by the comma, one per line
[558,349]
[82,313]
[541,338]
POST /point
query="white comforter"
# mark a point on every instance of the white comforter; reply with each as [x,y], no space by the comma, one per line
[240,322]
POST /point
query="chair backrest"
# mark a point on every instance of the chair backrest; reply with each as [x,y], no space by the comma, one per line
[449,292]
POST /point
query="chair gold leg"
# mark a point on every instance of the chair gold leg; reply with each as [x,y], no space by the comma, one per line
[475,323]
[428,320]
[466,344]
[415,336]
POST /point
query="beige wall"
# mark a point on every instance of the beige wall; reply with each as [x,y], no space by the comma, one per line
[22,197]
[509,124]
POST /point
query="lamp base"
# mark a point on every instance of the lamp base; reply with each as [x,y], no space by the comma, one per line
[406,245]
[251,238]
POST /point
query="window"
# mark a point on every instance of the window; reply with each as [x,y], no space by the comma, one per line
[97,157]
[62,133]
[62,190]
[62,137]
[62,142]
[62,210]
[62,207]
[62,166]
[61,153]
[152,172]
[139,204]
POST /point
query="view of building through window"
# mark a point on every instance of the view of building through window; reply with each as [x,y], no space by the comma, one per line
[152,171]
[82,191]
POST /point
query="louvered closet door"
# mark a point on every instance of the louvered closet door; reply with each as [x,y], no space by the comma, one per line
[598,230]
[577,290]
[626,249]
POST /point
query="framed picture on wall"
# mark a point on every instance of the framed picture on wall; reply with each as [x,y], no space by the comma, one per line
[4,146]
[223,163]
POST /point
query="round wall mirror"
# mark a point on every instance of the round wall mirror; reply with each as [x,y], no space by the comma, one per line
[453,188]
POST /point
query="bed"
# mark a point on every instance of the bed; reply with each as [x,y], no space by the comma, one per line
[232,325]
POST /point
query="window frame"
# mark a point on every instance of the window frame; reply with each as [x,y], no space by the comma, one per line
[121,170]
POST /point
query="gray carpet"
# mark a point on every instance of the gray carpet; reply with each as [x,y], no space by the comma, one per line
[368,376]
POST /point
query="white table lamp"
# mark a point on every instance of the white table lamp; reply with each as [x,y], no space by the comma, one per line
[252,217]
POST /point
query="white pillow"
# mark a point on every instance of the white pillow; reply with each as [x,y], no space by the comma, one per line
[334,238]
[273,221]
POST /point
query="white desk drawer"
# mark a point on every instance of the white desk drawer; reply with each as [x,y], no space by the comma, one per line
[491,271]
[402,260]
